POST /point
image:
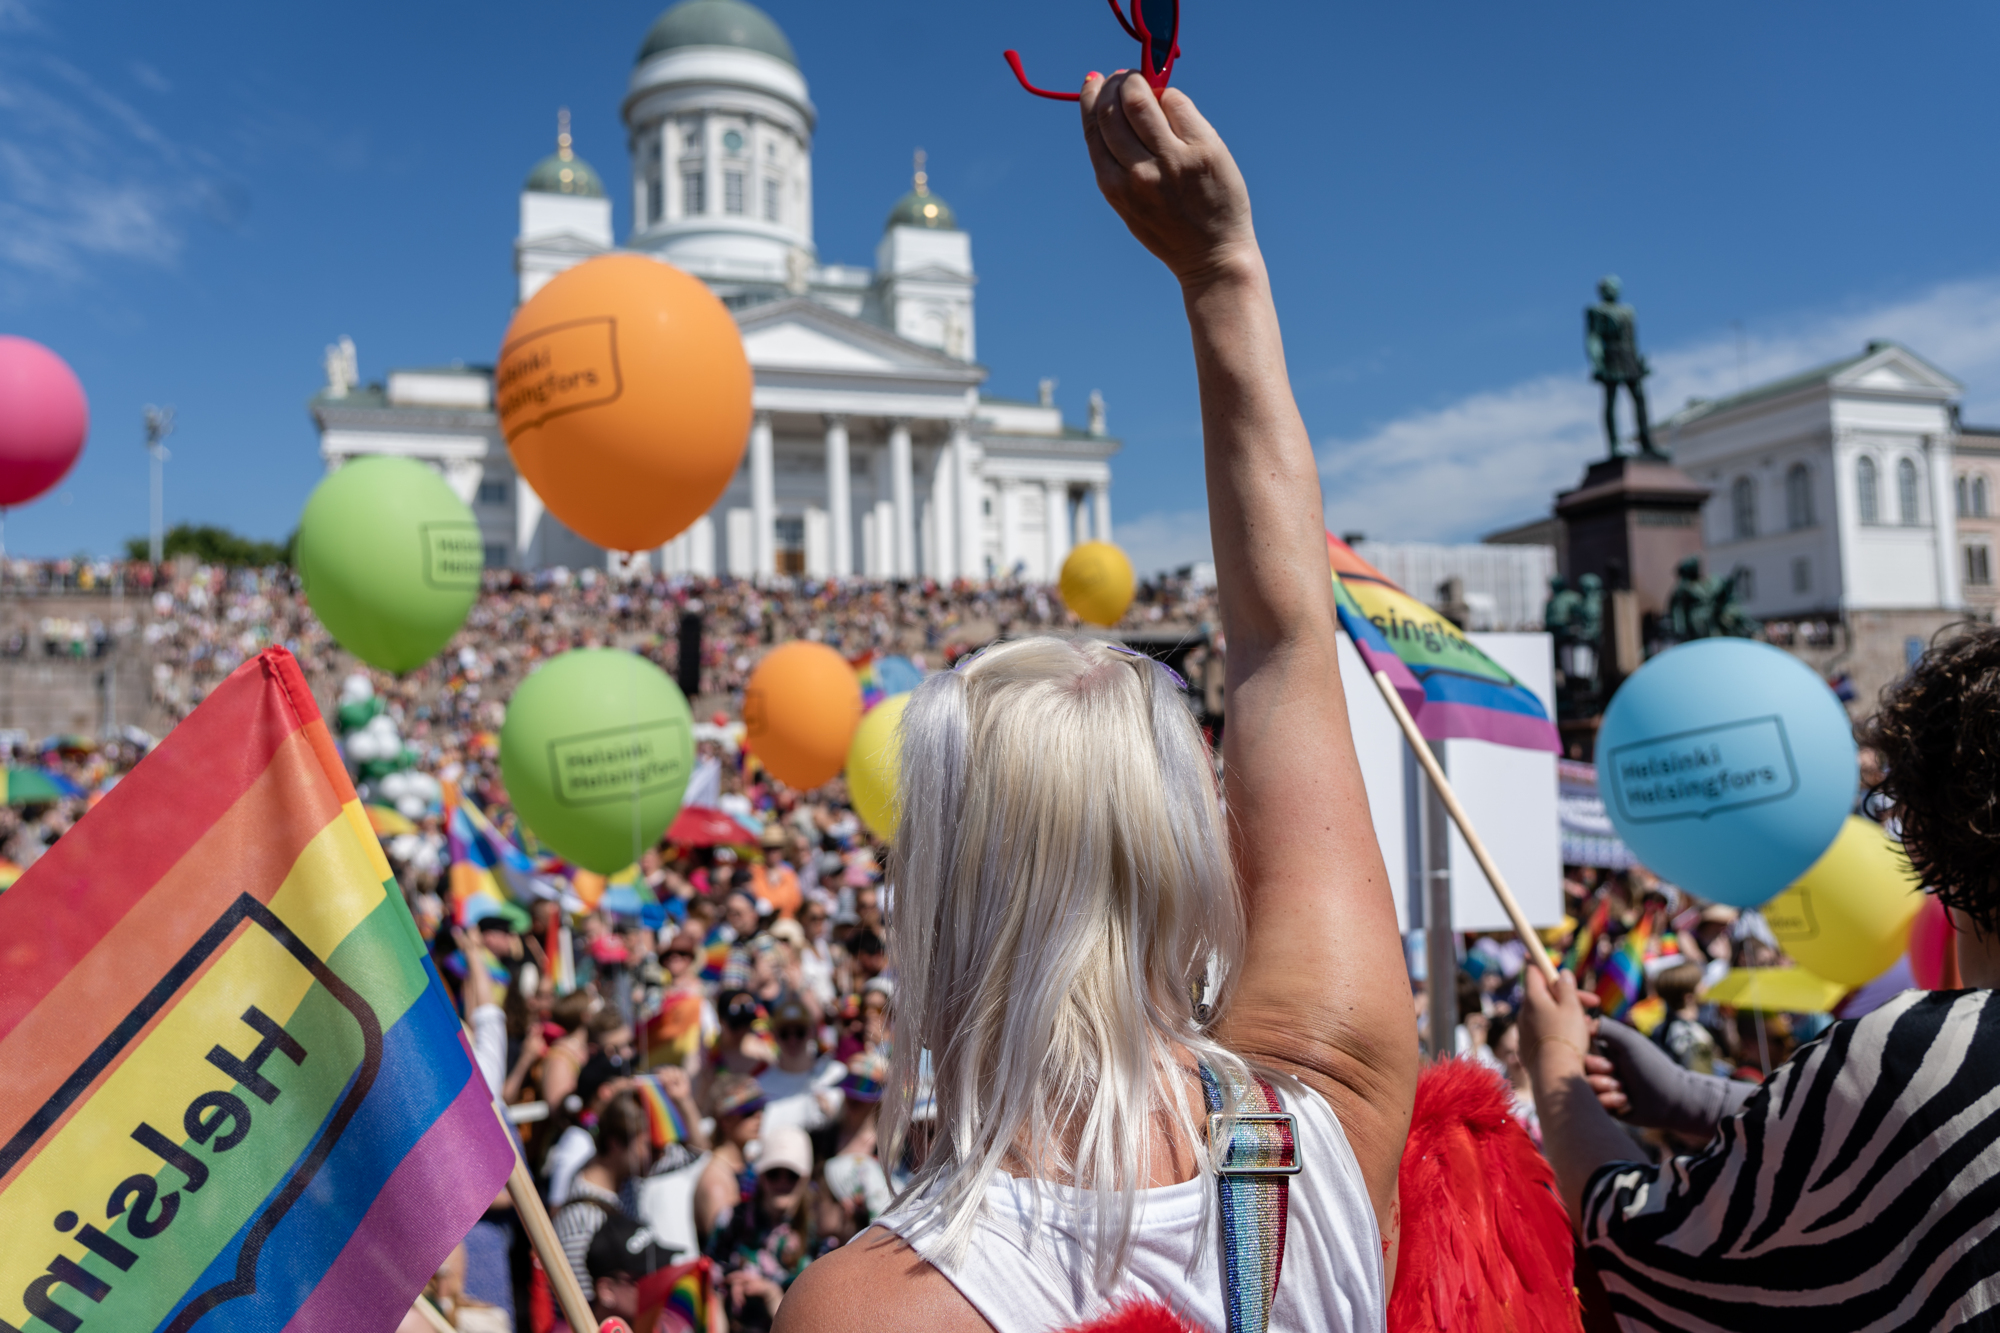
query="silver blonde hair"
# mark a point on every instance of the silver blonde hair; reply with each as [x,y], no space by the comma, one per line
[1064,902]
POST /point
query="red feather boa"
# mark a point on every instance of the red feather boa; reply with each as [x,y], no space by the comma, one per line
[1486,1244]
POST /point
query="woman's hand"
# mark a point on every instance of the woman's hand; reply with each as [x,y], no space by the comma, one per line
[1555,1031]
[1169,176]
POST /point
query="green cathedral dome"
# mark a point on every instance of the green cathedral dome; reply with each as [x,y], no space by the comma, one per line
[557,174]
[716,23]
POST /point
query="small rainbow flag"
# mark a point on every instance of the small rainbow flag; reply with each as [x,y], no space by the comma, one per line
[9,872]
[669,1126]
[672,1033]
[678,1299]
[714,955]
[882,677]
[239,1097]
[487,870]
[1621,981]
[1450,687]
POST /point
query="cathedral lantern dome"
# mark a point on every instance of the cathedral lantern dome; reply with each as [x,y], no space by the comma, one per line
[921,208]
[716,23]
[563,172]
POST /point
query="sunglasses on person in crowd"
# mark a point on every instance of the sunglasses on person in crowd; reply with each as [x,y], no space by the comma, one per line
[681,953]
[793,1034]
[1155,25]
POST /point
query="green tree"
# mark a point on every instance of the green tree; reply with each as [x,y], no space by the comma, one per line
[213,546]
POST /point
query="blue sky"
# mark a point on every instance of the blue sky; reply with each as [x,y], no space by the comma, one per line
[196,198]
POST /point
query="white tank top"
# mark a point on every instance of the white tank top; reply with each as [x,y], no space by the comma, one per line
[1023,1281]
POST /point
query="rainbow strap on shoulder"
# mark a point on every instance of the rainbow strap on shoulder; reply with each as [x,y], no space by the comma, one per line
[1253,1182]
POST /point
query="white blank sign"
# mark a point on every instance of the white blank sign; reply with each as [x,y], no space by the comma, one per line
[1509,794]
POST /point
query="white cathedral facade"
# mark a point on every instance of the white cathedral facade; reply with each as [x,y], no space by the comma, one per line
[872,451]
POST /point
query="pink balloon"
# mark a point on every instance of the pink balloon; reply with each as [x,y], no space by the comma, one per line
[43,419]
[1930,936]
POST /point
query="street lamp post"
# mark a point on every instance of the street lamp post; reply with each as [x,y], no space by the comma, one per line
[159,425]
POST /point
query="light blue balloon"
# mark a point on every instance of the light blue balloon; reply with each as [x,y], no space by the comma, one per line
[1728,767]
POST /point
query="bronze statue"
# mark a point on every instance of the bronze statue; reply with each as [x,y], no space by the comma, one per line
[1705,608]
[1611,337]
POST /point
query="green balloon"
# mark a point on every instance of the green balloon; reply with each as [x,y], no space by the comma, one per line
[391,560]
[596,753]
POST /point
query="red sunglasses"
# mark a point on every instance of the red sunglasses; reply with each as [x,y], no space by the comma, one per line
[1155,25]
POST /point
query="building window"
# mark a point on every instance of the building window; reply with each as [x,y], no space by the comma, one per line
[1906,493]
[1978,509]
[495,492]
[770,199]
[1802,574]
[732,192]
[732,143]
[1978,566]
[1746,582]
[694,193]
[1743,507]
[1798,497]
[496,555]
[1865,489]
[986,506]
[1963,490]
[656,200]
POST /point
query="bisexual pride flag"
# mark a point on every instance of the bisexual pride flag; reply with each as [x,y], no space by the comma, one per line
[238,1098]
[1453,690]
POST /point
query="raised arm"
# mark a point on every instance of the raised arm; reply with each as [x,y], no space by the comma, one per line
[1324,992]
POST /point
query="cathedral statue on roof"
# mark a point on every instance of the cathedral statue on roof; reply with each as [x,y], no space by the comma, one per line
[874,451]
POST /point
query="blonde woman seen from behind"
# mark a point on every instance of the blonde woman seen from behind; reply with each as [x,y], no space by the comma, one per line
[1069,890]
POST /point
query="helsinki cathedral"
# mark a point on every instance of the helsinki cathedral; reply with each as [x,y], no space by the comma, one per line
[872,451]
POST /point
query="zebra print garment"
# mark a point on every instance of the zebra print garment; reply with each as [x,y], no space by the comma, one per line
[1859,1189]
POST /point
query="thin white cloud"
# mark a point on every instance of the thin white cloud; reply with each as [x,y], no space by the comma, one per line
[84,177]
[1498,457]
[1164,541]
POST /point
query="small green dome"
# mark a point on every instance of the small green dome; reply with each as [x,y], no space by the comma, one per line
[560,174]
[716,23]
[921,208]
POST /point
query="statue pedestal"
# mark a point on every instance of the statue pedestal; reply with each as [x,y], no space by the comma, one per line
[1630,522]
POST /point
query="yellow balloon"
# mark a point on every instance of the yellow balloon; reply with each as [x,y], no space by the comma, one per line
[873,762]
[1848,917]
[1097,583]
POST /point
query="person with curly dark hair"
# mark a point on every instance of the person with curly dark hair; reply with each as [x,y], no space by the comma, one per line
[1859,1188]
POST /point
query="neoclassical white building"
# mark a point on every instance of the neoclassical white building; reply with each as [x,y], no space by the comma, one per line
[872,450]
[1832,490]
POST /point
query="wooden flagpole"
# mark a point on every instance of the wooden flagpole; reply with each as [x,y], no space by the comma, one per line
[1421,747]
[568,1292]
[542,1235]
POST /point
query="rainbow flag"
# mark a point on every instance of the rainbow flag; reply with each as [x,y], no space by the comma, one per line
[1583,949]
[1451,688]
[673,1033]
[882,677]
[714,955]
[238,1096]
[9,872]
[1621,981]
[669,1125]
[678,1299]
[487,870]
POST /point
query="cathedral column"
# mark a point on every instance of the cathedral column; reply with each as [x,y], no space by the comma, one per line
[839,503]
[1055,525]
[902,491]
[763,500]
[943,565]
[1100,511]
[967,524]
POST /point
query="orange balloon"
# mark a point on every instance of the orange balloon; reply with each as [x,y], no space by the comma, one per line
[624,393]
[800,708]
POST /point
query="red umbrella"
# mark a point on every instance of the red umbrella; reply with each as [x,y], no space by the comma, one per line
[701,826]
